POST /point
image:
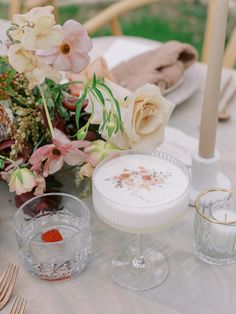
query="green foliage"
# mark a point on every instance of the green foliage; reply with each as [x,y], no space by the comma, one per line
[68,12]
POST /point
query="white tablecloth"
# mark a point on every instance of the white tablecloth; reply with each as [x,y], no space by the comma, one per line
[192,286]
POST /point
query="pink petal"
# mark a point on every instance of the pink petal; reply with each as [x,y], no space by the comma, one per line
[53,164]
[36,167]
[72,29]
[74,146]
[82,44]
[41,154]
[62,63]
[78,61]
[80,144]
[41,185]
[48,56]
[59,138]
[75,157]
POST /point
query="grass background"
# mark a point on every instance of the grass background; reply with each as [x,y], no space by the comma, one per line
[182,20]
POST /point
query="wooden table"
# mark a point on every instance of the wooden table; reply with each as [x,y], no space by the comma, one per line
[192,286]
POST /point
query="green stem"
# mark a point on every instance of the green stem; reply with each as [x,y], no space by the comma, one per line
[46,109]
[5,158]
[68,83]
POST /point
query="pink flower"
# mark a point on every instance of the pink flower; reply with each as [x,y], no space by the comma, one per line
[54,155]
[99,150]
[41,185]
[72,53]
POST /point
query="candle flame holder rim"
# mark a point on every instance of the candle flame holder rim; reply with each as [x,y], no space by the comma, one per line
[201,213]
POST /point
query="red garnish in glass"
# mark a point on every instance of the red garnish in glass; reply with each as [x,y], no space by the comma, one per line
[52,235]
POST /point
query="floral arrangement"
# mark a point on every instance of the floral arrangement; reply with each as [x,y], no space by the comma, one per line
[47,121]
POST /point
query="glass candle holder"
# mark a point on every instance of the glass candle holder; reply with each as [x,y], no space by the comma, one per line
[53,235]
[215,227]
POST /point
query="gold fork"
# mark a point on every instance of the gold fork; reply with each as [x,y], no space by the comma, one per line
[18,306]
[7,283]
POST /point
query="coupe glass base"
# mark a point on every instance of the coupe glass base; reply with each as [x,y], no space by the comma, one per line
[129,273]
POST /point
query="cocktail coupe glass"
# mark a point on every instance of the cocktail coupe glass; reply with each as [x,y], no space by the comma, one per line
[138,268]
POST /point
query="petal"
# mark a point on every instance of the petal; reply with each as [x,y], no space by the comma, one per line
[36,13]
[52,165]
[149,142]
[44,24]
[59,138]
[54,75]
[62,63]
[82,44]
[118,91]
[75,157]
[35,77]
[48,56]
[28,40]
[118,139]
[41,185]
[94,158]
[41,154]
[28,179]
[78,61]
[34,38]
[36,167]
[52,38]
[21,59]
[72,30]
[20,19]
[80,144]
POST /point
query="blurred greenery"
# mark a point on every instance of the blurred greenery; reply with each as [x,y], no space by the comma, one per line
[182,20]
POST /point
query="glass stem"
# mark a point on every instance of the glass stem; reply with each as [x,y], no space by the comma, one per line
[139,261]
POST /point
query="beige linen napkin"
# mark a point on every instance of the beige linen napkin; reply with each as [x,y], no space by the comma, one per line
[163,66]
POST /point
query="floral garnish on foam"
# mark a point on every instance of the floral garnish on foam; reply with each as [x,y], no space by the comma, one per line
[141,178]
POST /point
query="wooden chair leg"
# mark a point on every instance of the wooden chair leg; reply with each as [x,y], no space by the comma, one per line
[115,27]
[230,51]
[14,8]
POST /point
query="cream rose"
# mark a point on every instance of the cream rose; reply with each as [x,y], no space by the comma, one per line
[145,115]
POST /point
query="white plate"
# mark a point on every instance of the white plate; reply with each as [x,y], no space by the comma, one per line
[116,49]
[179,144]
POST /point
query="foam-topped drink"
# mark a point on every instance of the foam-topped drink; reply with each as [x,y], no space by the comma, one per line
[141,193]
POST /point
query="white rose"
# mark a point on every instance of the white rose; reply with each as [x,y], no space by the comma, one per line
[144,117]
